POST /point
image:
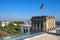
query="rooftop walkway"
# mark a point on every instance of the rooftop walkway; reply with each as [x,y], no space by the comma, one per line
[47,37]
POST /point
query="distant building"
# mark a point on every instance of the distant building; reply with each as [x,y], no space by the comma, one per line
[43,23]
[0,23]
[15,24]
[25,28]
[5,23]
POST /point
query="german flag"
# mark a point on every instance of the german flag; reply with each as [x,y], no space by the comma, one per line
[41,7]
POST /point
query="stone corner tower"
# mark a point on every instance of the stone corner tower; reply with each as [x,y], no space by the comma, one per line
[43,23]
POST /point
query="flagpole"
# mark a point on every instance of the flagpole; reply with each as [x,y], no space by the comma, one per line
[42,8]
[42,12]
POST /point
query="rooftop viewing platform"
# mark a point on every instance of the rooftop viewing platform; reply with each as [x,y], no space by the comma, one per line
[52,35]
[29,20]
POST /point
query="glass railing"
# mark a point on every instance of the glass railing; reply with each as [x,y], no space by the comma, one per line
[57,26]
[11,37]
[20,36]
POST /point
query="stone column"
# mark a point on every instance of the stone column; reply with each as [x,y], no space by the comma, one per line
[32,26]
[44,26]
[22,29]
[39,26]
[54,25]
[25,29]
[36,26]
[28,30]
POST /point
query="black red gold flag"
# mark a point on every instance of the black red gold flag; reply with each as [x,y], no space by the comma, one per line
[41,7]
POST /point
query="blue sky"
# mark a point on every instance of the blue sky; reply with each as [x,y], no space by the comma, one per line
[25,9]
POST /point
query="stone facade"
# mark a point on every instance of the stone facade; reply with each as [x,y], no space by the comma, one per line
[43,23]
